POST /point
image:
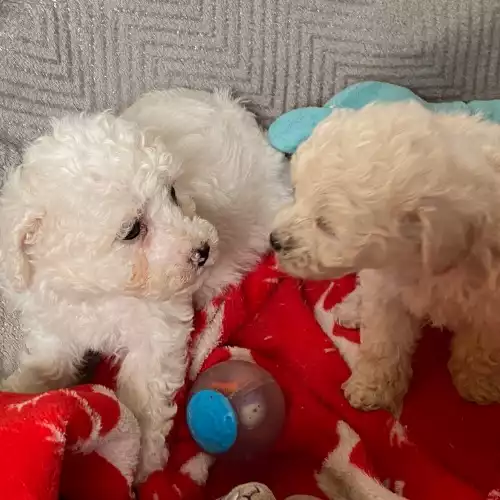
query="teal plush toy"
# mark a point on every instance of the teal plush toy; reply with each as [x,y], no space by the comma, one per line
[291,129]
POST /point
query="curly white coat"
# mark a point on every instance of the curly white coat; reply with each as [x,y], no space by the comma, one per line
[104,234]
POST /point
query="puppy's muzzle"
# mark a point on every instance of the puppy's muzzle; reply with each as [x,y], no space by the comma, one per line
[200,256]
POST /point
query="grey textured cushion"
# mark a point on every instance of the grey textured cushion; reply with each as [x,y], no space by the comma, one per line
[61,56]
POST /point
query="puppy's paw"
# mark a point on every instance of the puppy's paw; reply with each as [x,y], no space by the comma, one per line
[476,382]
[348,312]
[151,459]
[374,385]
[154,453]
[250,491]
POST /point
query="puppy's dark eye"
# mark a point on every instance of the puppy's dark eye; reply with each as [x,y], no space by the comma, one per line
[324,226]
[134,231]
[173,195]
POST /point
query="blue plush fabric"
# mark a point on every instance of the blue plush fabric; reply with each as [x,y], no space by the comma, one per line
[291,129]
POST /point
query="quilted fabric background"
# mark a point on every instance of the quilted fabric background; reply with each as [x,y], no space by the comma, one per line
[63,56]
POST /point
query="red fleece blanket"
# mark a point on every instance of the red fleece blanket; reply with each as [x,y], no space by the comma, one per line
[82,444]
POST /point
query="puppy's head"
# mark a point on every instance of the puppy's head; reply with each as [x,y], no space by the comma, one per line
[383,187]
[94,209]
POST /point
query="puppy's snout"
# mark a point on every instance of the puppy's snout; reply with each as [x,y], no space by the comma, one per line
[200,256]
[275,242]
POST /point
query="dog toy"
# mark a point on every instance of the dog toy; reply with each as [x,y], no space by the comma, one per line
[235,408]
[288,131]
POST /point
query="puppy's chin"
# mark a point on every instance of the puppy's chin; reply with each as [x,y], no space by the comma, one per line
[305,269]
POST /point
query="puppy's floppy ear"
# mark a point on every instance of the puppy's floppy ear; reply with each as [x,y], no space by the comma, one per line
[445,235]
[17,241]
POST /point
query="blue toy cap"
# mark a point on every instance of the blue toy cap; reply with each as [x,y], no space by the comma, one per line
[212,421]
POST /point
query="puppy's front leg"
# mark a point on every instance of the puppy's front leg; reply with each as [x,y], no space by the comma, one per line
[389,333]
[147,384]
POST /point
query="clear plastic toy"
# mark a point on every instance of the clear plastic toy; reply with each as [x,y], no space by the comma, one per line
[235,408]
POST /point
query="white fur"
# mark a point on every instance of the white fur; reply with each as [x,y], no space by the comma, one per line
[412,200]
[236,179]
[79,285]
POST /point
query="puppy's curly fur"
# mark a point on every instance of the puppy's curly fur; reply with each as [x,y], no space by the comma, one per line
[412,200]
[111,225]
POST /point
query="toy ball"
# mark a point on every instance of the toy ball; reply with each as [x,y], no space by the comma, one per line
[235,408]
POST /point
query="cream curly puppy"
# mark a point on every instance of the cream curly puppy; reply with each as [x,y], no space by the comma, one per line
[111,225]
[412,200]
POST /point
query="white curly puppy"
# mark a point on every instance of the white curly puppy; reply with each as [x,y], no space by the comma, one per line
[108,228]
[412,200]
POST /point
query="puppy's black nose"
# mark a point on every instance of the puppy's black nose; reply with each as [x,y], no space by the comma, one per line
[275,243]
[200,255]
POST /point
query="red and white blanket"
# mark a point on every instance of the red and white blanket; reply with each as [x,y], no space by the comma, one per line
[82,444]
